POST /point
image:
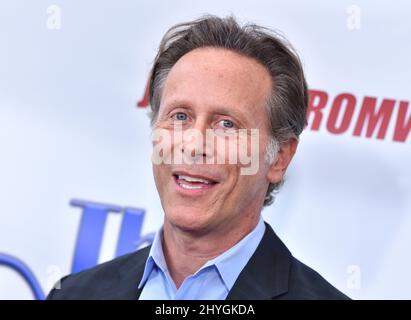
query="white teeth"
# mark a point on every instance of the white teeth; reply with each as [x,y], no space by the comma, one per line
[191,179]
[186,186]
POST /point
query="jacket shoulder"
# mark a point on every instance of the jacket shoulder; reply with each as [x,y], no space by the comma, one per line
[306,283]
[99,281]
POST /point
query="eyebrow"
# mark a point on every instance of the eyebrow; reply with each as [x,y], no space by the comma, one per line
[220,109]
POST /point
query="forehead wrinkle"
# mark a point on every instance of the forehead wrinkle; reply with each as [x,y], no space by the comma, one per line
[223,63]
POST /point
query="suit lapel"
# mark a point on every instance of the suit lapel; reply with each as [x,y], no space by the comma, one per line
[266,274]
[129,276]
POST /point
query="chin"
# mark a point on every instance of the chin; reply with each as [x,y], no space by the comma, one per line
[188,219]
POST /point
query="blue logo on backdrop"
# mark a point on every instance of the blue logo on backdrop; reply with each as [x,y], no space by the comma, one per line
[89,239]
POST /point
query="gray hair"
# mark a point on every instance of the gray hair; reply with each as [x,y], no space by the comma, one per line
[286,106]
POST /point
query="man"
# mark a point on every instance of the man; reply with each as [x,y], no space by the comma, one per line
[214,78]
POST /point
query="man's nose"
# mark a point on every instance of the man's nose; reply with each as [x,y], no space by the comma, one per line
[196,143]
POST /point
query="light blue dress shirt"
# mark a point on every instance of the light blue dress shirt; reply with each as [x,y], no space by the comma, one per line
[212,281]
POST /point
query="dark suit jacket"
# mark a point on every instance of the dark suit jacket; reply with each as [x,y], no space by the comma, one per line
[271,273]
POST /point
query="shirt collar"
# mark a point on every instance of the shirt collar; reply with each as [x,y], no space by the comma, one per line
[155,257]
[229,264]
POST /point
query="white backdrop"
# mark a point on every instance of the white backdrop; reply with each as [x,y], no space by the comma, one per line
[70,78]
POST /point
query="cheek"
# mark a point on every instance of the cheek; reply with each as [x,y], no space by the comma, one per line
[250,185]
[235,184]
[156,171]
[160,173]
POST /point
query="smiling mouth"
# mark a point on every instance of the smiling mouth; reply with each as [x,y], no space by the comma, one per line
[193,183]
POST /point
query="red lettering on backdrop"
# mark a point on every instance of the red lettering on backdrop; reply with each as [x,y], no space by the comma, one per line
[368,112]
[346,103]
[402,130]
[144,102]
[317,100]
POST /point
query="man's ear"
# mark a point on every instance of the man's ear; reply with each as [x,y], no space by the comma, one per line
[283,159]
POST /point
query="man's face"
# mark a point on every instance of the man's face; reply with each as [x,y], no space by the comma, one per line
[215,89]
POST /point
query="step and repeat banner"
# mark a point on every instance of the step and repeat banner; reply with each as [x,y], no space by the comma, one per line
[76,185]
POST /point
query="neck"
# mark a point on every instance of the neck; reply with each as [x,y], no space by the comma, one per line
[187,251]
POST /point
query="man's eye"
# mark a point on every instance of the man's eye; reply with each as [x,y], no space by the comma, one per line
[180,116]
[227,124]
